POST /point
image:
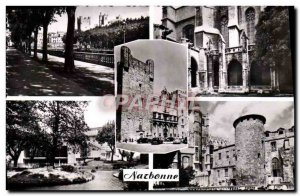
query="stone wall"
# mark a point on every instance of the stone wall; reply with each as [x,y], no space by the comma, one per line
[136,81]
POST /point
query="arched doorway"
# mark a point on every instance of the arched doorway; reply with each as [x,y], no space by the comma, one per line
[194,69]
[235,73]
[276,168]
[216,73]
[185,161]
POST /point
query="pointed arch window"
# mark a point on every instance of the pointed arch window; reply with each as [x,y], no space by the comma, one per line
[250,19]
[224,29]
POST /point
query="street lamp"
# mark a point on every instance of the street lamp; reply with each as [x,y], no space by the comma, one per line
[124,30]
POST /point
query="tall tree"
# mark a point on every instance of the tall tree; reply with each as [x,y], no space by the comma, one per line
[66,122]
[23,21]
[69,52]
[107,136]
[21,126]
[47,15]
[273,46]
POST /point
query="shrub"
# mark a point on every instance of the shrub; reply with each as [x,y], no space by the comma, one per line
[68,168]
[25,173]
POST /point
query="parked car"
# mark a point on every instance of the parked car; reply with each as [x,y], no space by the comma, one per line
[184,140]
[143,140]
[169,139]
[177,141]
[156,141]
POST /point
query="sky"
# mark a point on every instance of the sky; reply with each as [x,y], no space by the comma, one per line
[223,114]
[94,11]
[99,111]
[170,62]
[157,16]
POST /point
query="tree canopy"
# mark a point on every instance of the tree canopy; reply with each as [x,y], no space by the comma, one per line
[107,135]
[21,127]
[43,127]
[273,38]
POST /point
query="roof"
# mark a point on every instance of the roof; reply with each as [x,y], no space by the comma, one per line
[93,131]
[187,151]
[256,116]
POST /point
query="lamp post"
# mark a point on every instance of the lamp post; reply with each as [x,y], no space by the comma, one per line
[124,30]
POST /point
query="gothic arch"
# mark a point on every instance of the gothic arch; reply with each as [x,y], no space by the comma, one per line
[188,32]
[216,72]
[250,20]
[235,73]
[224,29]
[194,71]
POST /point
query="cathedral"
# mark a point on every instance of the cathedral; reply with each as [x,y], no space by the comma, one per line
[221,41]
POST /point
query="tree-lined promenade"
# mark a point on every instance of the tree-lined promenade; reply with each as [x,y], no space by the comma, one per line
[25,21]
[34,71]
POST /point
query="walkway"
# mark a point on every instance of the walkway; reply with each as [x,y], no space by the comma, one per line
[28,77]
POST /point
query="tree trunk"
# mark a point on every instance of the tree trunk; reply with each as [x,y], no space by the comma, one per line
[69,52]
[29,45]
[36,31]
[112,154]
[55,135]
[45,36]
[122,154]
[16,161]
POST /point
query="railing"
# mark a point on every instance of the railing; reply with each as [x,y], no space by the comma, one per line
[234,49]
[96,58]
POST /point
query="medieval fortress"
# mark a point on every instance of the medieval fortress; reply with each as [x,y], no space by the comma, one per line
[258,157]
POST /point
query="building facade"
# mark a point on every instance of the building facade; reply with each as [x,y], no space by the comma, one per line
[221,43]
[169,115]
[258,158]
[55,40]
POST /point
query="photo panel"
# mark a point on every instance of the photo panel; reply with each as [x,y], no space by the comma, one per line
[67,50]
[151,108]
[233,50]
[66,146]
[249,147]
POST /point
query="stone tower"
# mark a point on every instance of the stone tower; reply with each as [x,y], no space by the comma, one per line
[249,141]
[135,79]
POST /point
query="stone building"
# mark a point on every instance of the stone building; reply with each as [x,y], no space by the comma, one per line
[221,43]
[169,115]
[258,158]
[55,39]
[135,79]
[280,152]
[83,23]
